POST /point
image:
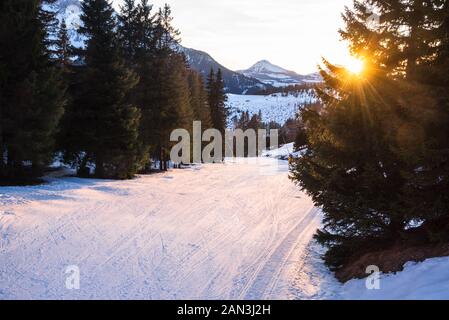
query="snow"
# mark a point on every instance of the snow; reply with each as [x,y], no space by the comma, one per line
[265,66]
[276,76]
[239,230]
[284,152]
[428,280]
[276,107]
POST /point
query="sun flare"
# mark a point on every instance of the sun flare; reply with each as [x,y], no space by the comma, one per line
[355,66]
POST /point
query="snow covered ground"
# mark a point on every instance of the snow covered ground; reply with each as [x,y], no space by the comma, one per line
[274,107]
[428,280]
[240,230]
[283,151]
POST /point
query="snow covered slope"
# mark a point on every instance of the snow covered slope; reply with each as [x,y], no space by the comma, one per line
[276,107]
[276,76]
[235,231]
[428,280]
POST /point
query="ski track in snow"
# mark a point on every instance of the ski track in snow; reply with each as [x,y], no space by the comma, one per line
[228,231]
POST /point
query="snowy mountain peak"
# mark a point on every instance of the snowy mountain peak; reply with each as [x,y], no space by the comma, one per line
[273,75]
[266,66]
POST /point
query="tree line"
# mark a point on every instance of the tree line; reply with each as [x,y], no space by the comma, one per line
[108,107]
[377,157]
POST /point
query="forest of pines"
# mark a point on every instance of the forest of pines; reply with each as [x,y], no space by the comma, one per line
[108,108]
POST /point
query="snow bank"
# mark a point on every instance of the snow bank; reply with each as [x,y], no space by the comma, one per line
[284,152]
[281,153]
[428,280]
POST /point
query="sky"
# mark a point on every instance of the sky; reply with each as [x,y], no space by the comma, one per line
[293,34]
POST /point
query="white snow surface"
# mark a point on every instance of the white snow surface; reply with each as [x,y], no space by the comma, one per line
[276,107]
[285,150]
[239,230]
[428,280]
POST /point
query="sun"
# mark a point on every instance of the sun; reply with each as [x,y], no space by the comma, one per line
[355,66]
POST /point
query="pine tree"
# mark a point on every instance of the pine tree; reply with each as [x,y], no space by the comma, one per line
[217,101]
[167,89]
[31,92]
[171,102]
[426,147]
[136,28]
[64,49]
[301,138]
[50,24]
[199,100]
[103,126]
[163,94]
[127,29]
[367,145]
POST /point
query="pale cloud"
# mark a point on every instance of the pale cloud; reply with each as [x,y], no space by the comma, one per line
[292,33]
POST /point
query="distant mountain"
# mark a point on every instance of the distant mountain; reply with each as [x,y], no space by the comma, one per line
[273,75]
[235,82]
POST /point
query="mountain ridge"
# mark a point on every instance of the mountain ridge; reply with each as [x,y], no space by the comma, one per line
[235,82]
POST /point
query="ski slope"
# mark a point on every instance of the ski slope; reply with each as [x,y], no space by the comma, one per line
[239,230]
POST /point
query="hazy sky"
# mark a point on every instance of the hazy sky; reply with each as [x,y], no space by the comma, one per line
[294,34]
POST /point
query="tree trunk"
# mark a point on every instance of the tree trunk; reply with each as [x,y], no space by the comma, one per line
[99,167]
[161,165]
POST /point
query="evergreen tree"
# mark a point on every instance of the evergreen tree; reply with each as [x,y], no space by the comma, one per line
[31,92]
[425,146]
[163,93]
[374,146]
[64,49]
[171,102]
[127,29]
[217,101]
[50,25]
[103,125]
[136,30]
[301,138]
[199,100]
[168,88]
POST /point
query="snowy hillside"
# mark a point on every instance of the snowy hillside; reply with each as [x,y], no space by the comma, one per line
[276,76]
[276,107]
